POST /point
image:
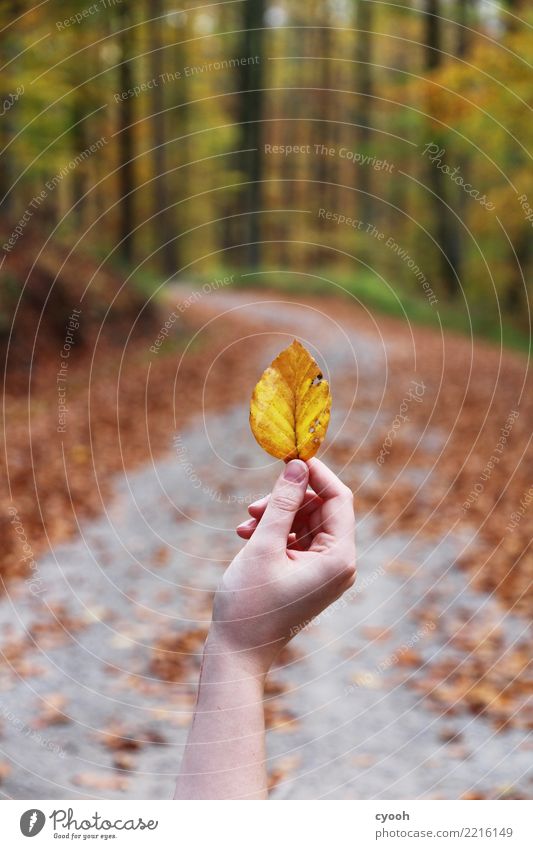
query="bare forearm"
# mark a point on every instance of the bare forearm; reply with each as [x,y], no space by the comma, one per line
[271,587]
[225,753]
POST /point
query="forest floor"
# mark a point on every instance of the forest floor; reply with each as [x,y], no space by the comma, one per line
[418,684]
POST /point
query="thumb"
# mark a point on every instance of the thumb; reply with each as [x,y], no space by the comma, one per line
[286,499]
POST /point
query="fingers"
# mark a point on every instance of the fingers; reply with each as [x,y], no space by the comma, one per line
[246,529]
[325,482]
[310,502]
[338,518]
[304,529]
[322,522]
[302,525]
[302,520]
[287,497]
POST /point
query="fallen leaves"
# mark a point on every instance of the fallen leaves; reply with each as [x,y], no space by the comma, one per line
[99,781]
[363,760]
[176,657]
[471,392]
[124,743]
[117,739]
[124,762]
[73,471]
[5,771]
[15,660]
[485,679]
[471,389]
[410,657]
[57,628]
[376,633]
[282,770]
[51,711]
[480,673]
[161,556]
[277,716]
[290,406]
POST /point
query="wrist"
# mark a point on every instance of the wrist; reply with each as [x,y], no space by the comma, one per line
[228,660]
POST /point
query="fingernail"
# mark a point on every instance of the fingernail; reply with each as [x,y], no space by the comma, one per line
[295,471]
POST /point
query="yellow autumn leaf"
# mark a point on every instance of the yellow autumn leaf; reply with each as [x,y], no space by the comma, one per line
[290,406]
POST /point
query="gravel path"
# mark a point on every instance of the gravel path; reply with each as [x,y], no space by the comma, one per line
[348,724]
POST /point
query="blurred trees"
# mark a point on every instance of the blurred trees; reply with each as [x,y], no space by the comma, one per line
[162,211]
[412,119]
[364,87]
[8,130]
[126,41]
[250,114]
[438,185]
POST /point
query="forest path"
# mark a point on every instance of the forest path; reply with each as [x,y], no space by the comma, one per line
[91,649]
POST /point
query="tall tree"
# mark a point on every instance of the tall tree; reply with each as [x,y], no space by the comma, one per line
[446,230]
[251,114]
[10,45]
[328,112]
[364,86]
[79,142]
[163,219]
[463,33]
[516,9]
[124,11]
[516,296]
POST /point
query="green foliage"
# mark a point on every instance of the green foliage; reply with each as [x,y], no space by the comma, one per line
[69,60]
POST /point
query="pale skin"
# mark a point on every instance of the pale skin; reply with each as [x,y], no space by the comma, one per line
[299,557]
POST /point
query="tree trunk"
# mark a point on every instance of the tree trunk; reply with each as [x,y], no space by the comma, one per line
[328,113]
[80,142]
[126,179]
[446,229]
[163,216]
[513,21]
[364,85]
[251,113]
[463,33]
[8,165]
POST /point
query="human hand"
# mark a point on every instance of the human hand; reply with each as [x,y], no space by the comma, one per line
[299,557]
